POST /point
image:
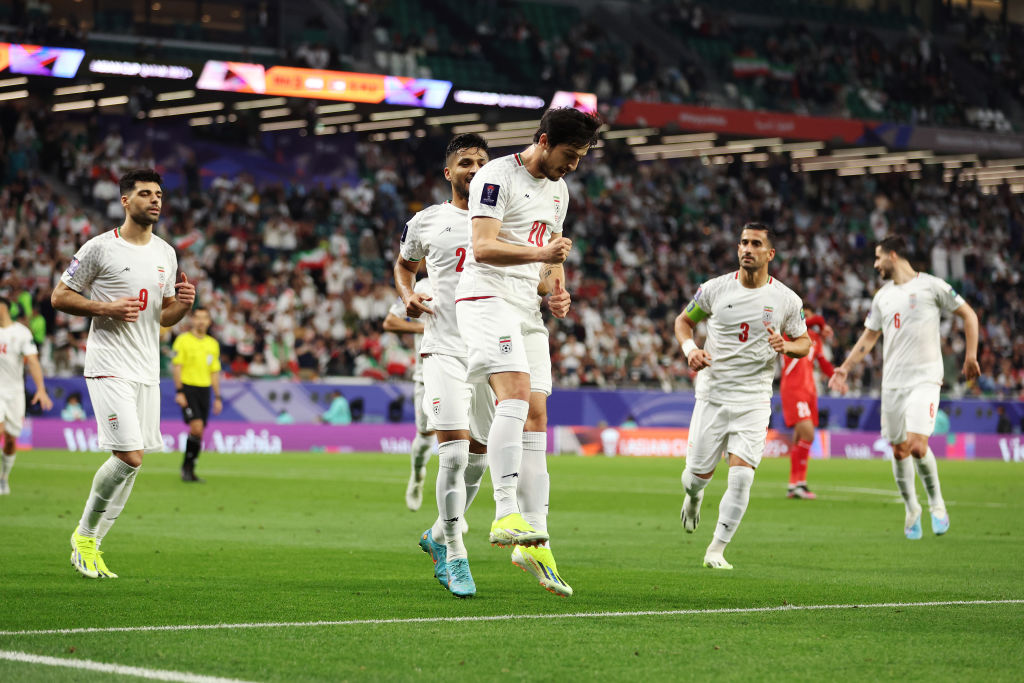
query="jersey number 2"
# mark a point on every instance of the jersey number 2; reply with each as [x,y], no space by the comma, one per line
[143,299]
[461,253]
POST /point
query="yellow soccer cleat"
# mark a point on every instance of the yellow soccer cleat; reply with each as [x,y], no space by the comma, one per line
[101,567]
[514,530]
[541,563]
[83,555]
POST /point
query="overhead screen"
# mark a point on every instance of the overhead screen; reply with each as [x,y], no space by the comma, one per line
[39,60]
[287,81]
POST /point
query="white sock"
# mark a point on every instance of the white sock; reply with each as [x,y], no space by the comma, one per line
[692,484]
[105,484]
[116,505]
[474,475]
[732,507]
[452,457]
[534,482]
[6,463]
[505,447]
[903,472]
[928,470]
[420,455]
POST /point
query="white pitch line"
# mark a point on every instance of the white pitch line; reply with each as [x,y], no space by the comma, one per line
[120,669]
[502,617]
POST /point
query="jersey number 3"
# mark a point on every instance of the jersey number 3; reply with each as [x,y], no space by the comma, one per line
[744,331]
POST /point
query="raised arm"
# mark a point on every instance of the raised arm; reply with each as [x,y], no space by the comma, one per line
[69,301]
[696,357]
[405,282]
[863,346]
[487,248]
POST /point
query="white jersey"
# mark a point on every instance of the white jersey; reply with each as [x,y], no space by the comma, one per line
[908,317]
[439,234]
[531,211]
[15,343]
[742,361]
[398,310]
[109,267]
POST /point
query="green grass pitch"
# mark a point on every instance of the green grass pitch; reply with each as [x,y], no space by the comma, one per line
[306,537]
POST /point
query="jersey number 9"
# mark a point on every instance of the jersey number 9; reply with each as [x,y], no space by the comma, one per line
[143,299]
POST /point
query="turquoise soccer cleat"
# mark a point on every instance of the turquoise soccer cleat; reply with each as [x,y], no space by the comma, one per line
[438,553]
[460,580]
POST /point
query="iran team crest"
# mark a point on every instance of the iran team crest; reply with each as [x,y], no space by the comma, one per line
[913,300]
[436,405]
[766,316]
[112,421]
[505,344]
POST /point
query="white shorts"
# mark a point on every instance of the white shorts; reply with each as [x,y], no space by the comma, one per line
[12,412]
[741,430]
[451,403]
[909,411]
[417,404]
[127,414]
[501,337]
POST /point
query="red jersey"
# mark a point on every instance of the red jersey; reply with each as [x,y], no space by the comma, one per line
[798,373]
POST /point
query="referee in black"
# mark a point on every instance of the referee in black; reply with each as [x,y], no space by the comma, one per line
[196,370]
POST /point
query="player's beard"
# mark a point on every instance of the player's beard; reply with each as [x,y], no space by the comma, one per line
[144,219]
[462,189]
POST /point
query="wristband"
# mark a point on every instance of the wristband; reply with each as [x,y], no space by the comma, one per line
[689,346]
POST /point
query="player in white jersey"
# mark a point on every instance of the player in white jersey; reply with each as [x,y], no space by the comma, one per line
[461,412]
[129,275]
[517,205]
[747,313]
[17,351]
[906,311]
[398,321]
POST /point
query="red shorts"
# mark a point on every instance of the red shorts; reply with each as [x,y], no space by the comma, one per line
[798,406]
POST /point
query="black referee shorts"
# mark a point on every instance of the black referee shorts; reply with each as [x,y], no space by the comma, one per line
[198,407]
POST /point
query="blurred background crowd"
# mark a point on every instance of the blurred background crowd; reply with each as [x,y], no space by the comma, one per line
[297,275]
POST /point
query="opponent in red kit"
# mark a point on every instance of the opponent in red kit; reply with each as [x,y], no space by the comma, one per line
[800,404]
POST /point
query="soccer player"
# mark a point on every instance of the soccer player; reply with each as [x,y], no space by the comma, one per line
[397,320]
[906,310]
[460,412]
[129,273]
[800,404]
[747,313]
[517,205]
[17,351]
[196,369]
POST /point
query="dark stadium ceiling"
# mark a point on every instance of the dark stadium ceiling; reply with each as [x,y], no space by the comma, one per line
[161,98]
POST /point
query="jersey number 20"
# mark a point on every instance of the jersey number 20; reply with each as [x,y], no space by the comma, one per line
[537,233]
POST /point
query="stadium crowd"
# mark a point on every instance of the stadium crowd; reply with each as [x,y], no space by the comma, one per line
[297,279]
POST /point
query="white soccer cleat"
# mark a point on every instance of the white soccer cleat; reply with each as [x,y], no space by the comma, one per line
[690,514]
[5,488]
[414,490]
[912,524]
[716,561]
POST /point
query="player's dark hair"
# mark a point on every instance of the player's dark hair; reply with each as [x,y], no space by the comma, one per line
[896,244]
[464,141]
[139,175]
[568,125]
[761,227]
